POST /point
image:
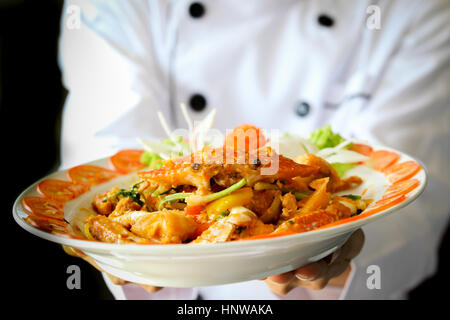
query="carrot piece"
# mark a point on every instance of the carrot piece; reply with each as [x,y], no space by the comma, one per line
[126,161]
[400,188]
[61,190]
[402,171]
[90,175]
[382,159]
[193,210]
[44,208]
[383,204]
[363,149]
[47,225]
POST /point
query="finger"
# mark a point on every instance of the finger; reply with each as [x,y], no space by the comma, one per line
[280,288]
[352,247]
[343,256]
[312,271]
[313,276]
[115,280]
[72,251]
[149,288]
[282,278]
[356,245]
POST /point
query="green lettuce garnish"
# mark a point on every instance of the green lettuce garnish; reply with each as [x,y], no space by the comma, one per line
[342,168]
[325,138]
[148,158]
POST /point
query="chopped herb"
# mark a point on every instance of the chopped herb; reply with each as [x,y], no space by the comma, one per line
[352,196]
[222,215]
[160,191]
[132,194]
[136,185]
[301,195]
[174,197]
[195,200]
[291,222]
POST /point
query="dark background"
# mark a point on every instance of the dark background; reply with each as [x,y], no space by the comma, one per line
[31,100]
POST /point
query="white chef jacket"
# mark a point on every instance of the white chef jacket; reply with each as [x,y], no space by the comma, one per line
[292,65]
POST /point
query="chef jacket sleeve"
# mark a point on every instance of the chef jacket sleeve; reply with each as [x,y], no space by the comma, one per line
[410,111]
[113,76]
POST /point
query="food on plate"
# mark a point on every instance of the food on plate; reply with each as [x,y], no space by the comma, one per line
[227,193]
[205,189]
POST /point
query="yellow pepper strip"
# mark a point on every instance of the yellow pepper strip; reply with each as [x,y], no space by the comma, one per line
[87,233]
[236,199]
[259,186]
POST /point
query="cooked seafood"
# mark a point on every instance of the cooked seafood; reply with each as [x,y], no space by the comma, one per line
[224,194]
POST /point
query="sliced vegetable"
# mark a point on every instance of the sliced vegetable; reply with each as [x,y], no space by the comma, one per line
[126,161]
[193,210]
[151,159]
[90,175]
[196,199]
[44,208]
[162,189]
[301,195]
[174,197]
[292,146]
[47,225]
[177,145]
[352,196]
[165,149]
[222,215]
[342,168]
[402,171]
[384,204]
[236,199]
[61,190]
[343,156]
[382,159]
[400,188]
[363,149]
[259,186]
[325,138]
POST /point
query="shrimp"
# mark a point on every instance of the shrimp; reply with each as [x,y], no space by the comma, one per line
[226,167]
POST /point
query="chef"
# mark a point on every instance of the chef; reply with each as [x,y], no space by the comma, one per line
[374,70]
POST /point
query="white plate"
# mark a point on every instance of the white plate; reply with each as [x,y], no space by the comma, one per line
[192,265]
